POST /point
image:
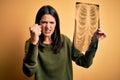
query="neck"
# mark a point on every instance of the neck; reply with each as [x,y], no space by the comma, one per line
[47,40]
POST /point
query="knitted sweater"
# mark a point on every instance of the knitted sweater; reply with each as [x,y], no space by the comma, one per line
[49,66]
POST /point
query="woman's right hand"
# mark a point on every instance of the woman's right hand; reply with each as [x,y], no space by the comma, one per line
[35,32]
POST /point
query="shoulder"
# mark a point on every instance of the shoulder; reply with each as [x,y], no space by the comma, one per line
[65,39]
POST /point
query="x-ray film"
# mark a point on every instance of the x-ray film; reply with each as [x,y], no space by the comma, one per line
[86,24]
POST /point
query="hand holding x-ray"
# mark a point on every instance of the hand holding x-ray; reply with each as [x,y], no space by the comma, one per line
[87,23]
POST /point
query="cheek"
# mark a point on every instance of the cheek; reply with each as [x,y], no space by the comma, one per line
[54,26]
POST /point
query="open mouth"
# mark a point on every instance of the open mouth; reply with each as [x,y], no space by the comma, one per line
[47,31]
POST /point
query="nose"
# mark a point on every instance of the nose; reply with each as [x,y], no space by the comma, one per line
[48,25]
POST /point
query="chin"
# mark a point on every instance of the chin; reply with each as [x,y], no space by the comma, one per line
[47,35]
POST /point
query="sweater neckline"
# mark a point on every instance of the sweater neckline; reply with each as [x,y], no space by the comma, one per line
[47,45]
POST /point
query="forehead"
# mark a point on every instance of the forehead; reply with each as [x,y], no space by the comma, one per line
[48,17]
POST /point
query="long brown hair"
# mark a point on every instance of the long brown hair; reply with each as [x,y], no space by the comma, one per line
[56,37]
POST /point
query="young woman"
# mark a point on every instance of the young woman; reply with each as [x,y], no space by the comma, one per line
[49,54]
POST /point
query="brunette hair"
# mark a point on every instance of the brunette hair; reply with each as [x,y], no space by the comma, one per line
[56,37]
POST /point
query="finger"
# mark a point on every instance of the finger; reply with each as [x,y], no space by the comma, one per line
[39,29]
[99,30]
[39,32]
[33,27]
[30,28]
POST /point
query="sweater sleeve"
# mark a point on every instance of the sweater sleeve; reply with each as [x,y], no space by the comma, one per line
[85,60]
[30,59]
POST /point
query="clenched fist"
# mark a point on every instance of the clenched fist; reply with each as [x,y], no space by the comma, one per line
[35,32]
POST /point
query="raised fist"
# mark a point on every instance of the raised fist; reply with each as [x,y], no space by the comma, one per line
[35,32]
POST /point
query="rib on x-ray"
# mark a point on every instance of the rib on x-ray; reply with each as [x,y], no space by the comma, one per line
[86,24]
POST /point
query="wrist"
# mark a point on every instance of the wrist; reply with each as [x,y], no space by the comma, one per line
[35,42]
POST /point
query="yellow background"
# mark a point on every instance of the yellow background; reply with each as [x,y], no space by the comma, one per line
[16,16]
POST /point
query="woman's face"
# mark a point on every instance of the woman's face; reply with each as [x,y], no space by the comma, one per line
[48,24]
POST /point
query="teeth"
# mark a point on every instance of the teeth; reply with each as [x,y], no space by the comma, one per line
[47,31]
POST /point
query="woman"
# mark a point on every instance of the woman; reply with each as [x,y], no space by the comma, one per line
[49,54]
